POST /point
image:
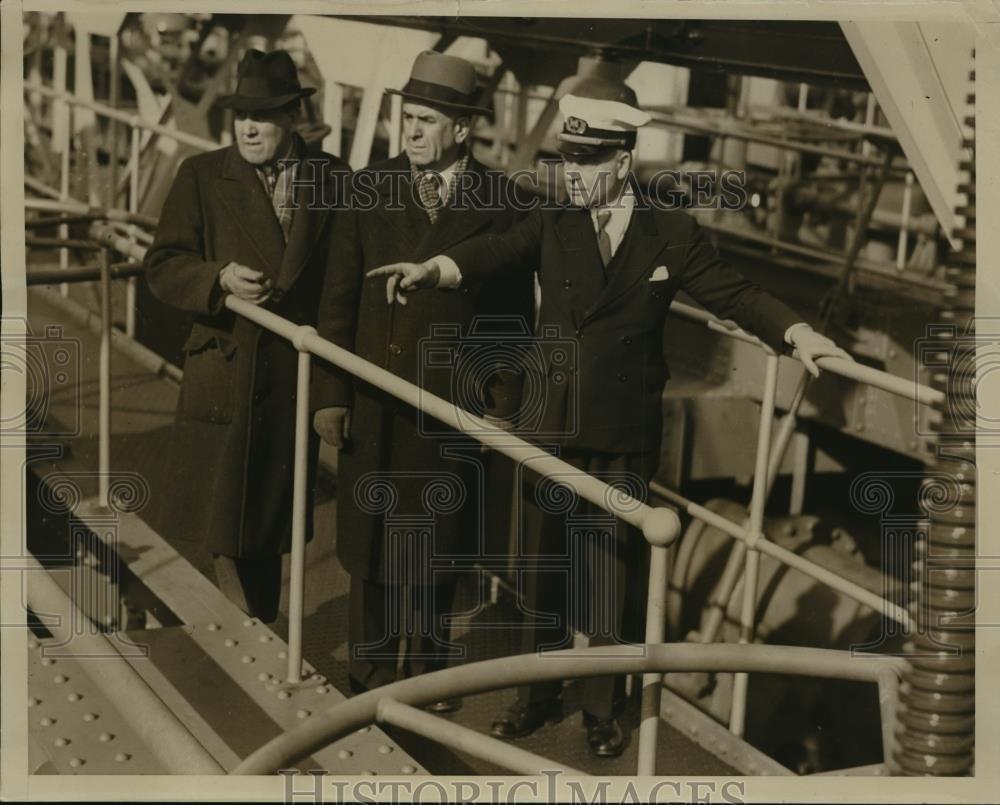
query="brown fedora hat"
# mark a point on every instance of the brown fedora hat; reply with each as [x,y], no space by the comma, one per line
[441,80]
[265,81]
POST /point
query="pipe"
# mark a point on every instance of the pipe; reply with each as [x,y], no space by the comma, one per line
[114,91]
[72,207]
[692,124]
[462,739]
[103,109]
[652,683]
[133,208]
[748,614]
[63,242]
[39,187]
[104,406]
[297,580]
[479,677]
[157,727]
[790,558]
[659,525]
[64,167]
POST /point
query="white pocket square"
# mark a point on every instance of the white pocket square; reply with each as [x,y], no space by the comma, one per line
[660,274]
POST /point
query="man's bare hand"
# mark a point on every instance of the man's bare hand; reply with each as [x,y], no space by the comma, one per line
[810,345]
[333,424]
[246,283]
[406,277]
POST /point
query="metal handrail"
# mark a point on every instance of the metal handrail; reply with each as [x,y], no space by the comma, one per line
[134,121]
[323,728]
[455,736]
[660,526]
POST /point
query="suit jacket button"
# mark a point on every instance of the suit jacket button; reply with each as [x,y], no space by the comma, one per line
[395,350]
[627,340]
[622,377]
[567,284]
[579,333]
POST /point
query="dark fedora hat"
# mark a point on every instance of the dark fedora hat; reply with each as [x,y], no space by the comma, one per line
[441,80]
[265,81]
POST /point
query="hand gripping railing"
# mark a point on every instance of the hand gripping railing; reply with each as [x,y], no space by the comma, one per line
[660,526]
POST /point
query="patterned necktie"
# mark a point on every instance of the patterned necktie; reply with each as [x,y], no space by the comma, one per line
[428,189]
[603,239]
[280,184]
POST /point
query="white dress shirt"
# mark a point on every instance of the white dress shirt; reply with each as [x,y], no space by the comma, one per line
[621,215]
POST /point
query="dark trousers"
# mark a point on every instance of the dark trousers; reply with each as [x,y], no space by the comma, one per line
[253,584]
[588,571]
[386,619]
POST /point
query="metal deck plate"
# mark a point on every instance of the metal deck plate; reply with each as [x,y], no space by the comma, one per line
[73,727]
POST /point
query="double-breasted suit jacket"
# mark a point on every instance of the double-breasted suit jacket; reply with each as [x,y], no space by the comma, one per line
[229,480]
[390,443]
[607,397]
[601,395]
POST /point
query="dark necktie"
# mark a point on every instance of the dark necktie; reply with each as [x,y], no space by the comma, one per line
[603,239]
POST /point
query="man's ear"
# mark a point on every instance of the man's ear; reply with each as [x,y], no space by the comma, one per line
[463,126]
[624,164]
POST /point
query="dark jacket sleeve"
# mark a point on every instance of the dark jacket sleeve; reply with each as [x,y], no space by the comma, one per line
[729,295]
[338,308]
[176,266]
[485,256]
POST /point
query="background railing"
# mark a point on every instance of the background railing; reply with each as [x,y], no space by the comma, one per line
[660,526]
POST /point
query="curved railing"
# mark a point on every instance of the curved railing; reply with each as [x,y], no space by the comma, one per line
[380,705]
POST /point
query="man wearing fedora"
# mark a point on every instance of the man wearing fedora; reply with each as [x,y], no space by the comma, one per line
[430,197]
[610,264]
[242,220]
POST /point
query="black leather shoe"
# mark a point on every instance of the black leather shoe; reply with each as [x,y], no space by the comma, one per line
[605,738]
[523,719]
[445,706]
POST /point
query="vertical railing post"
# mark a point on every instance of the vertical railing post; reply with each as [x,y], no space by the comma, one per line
[395,124]
[133,206]
[64,169]
[656,618]
[104,409]
[114,91]
[748,614]
[296,585]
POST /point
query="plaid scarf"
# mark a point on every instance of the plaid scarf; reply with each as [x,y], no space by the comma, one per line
[278,179]
[429,187]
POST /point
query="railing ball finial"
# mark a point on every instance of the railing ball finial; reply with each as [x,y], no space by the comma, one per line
[661,527]
[298,340]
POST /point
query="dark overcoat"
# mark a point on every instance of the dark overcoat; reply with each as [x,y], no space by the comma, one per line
[395,469]
[598,367]
[230,468]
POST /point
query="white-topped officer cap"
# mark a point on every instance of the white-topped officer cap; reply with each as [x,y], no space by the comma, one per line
[600,114]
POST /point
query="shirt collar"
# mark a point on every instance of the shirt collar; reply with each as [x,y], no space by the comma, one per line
[622,206]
